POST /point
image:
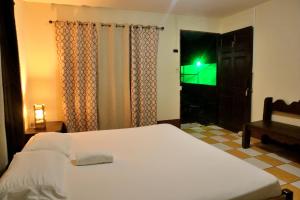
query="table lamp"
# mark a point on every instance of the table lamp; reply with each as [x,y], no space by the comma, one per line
[39,116]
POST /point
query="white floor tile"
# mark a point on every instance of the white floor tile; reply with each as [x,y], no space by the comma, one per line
[217,132]
[296,184]
[223,147]
[250,152]
[239,141]
[187,125]
[281,182]
[240,133]
[290,169]
[215,127]
[198,129]
[236,136]
[219,138]
[273,155]
[258,163]
[196,124]
[198,135]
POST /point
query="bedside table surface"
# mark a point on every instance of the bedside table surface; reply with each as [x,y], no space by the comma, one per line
[51,126]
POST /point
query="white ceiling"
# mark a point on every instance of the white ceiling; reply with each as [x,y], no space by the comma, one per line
[210,8]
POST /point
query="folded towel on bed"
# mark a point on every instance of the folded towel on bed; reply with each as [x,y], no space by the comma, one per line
[91,158]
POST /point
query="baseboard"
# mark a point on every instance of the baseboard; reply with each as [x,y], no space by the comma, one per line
[175,122]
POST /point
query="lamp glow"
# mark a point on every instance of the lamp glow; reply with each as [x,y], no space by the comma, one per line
[199,61]
[39,116]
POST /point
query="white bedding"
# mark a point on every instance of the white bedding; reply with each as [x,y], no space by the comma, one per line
[163,163]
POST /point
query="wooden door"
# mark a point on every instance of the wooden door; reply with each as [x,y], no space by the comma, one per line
[235,78]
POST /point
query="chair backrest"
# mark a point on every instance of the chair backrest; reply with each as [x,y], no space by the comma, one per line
[280,106]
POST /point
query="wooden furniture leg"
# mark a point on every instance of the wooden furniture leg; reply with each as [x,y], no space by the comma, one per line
[288,194]
[246,137]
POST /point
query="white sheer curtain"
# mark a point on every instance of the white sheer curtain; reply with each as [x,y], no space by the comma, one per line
[113,77]
[3,146]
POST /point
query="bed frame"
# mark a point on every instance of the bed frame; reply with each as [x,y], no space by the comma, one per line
[285,195]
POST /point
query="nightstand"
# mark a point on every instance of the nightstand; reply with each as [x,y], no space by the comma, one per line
[51,126]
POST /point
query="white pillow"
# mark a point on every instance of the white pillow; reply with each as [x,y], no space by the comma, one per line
[60,142]
[35,175]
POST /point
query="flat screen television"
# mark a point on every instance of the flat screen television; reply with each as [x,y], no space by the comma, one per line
[199,73]
[198,58]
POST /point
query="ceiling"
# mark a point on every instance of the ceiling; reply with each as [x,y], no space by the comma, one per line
[209,8]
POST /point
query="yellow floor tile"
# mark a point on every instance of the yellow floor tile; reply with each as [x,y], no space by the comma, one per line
[295,190]
[269,160]
[258,149]
[238,153]
[208,134]
[232,144]
[231,137]
[197,135]
[209,140]
[189,130]
[205,128]
[283,175]
[227,131]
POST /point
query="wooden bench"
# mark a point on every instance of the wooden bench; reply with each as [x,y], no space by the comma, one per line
[266,128]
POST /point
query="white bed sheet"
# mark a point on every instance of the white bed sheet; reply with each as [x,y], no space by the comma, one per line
[162,162]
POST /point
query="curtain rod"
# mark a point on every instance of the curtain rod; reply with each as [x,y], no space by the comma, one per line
[117,25]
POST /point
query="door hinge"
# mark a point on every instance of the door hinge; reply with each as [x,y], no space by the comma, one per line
[232,44]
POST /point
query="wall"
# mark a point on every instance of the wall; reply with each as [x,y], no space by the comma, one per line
[19,12]
[37,60]
[276,69]
[276,47]
[36,42]
[237,21]
[3,147]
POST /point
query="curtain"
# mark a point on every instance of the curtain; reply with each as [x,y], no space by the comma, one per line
[3,146]
[114,78]
[11,80]
[143,55]
[77,57]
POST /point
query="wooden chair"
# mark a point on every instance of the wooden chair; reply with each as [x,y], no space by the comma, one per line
[285,133]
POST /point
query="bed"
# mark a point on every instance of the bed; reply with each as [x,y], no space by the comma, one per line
[161,162]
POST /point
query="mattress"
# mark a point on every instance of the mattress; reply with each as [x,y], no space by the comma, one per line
[161,162]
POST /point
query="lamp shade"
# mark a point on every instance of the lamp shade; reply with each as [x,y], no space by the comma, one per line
[39,116]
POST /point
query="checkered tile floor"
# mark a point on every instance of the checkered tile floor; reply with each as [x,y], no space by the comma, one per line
[274,159]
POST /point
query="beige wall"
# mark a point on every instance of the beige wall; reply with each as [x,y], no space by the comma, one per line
[237,21]
[276,69]
[276,64]
[37,59]
[36,43]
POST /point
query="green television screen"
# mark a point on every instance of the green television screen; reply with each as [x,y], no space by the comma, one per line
[199,73]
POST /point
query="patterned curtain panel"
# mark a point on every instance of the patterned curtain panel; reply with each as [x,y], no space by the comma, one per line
[143,55]
[77,56]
